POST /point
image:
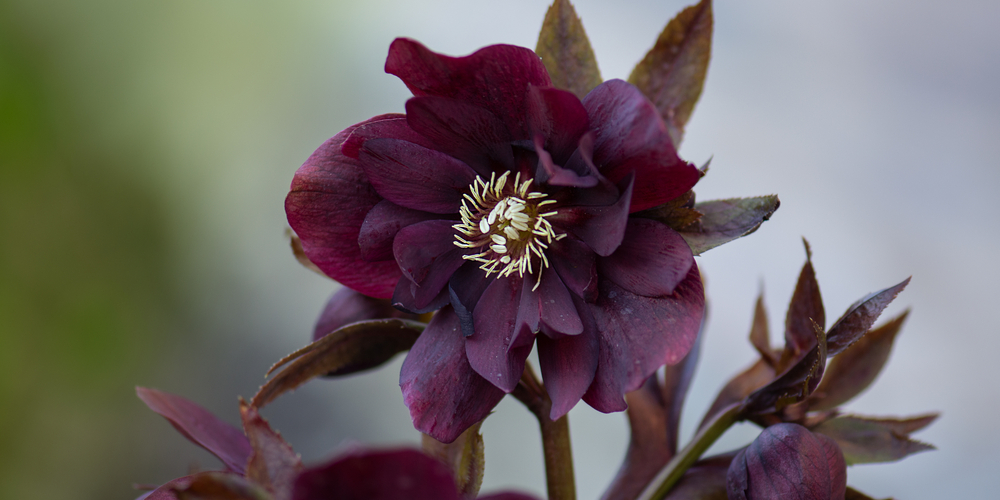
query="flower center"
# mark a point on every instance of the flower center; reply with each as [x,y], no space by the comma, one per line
[507,225]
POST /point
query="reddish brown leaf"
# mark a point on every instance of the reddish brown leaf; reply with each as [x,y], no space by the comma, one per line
[723,221]
[352,348]
[273,464]
[464,456]
[792,386]
[739,387]
[760,335]
[673,72]
[219,486]
[865,440]
[860,317]
[805,309]
[566,52]
[852,371]
[678,213]
[200,426]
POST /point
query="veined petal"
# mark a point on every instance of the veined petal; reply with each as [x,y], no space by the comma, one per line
[651,260]
[559,117]
[465,288]
[558,314]
[576,264]
[568,366]
[382,223]
[640,334]
[500,345]
[377,475]
[329,198]
[631,137]
[554,175]
[601,227]
[496,77]
[444,394]
[427,255]
[467,132]
[414,176]
[388,126]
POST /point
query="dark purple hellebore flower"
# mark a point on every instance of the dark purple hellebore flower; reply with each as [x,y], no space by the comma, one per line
[509,205]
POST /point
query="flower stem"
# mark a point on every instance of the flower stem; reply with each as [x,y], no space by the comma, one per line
[677,466]
[555,437]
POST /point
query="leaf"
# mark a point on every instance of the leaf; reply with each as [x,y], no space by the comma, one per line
[723,221]
[300,254]
[792,386]
[852,371]
[273,464]
[853,494]
[566,52]
[705,480]
[464,456]
[346,306]
[377,475]
[219,486]
[673,72]
[739,387]
[654,416]
[678,213]
[860,317]
[201,427]
[759,333]
[352,348]
[805,310]
[865,440]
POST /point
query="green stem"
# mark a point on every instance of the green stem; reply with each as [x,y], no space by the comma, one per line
[555,437]
[677,466]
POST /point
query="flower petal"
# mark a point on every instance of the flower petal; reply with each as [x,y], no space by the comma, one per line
[496,77]
[558,313]
[329,198]
[427,255]
[640,334]
[788,461]
[554,175]
[388,126]
[381,224]
[631,137]
[414,176]
[559,117]
[465,287]
[601,227]
[576,264]
[651,260]
[347,306]
[444,394]
[501,343]
[467,132]
[377,475]
[404,298]
[568,365]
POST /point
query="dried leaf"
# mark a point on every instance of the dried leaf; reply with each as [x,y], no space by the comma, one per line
[566,52]
[219,486]
[273,464]
[805,310]
[760,335]
[352,348]
[673,72]
[792,386]
[201,427]
[738,388]
[723,221]
[300,254]
[865,440]
[852,371]
[678,213]
[464,456]
[860,317]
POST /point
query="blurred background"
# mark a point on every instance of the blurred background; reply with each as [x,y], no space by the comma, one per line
[146,149]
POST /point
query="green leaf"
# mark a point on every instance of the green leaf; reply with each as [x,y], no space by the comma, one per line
[349,349]
[723,221]
[860,317]
[866,440]
[464,455]
[673,72]
[852,371]
[566,52]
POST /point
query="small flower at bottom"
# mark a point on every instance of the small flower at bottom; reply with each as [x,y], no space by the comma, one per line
[512,207]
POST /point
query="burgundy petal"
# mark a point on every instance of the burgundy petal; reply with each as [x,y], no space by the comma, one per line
[329,198]
[166,490]
[499,347]
[414,176]
[381,225]
[558,314]
[444,394]
[467,132]
[640,334]
[788,461]
[427,255]
[576,264]
[377,475]
[404,298]
[601,227]
[568,365]
[496,77]
[554,175]
[201,427]
[465,288]
[651,260]
[559,117]
[347,306]
[631,137]
[389,126]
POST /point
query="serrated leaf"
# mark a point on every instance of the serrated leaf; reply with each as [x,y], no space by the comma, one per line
[865,440]
[672,74]
[804,310]
[760,336]
[273,464]
[860,317]
[349,349]
[678,213]
[219,486]
[464,455]
[723,221]
[792,386]
[566,51]
[852,371]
